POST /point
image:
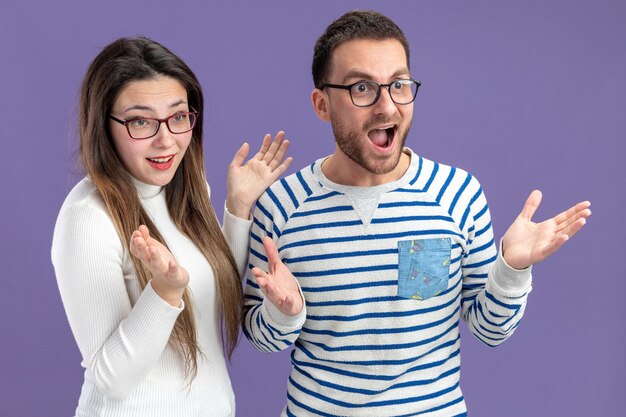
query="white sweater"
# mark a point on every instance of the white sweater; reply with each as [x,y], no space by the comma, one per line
[123,332]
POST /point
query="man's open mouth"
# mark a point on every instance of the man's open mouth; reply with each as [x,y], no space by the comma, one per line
[383,137]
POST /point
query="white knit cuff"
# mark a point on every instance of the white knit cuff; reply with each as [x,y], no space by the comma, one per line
[509,281]
[237,234]
[155,298]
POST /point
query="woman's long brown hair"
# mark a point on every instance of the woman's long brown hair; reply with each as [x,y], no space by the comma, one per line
[132,59]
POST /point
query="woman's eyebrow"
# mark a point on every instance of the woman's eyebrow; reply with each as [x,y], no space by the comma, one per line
[148,108]
[138,107]
[178,103]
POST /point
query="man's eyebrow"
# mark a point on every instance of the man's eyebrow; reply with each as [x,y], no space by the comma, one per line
[365,76]
[356,74]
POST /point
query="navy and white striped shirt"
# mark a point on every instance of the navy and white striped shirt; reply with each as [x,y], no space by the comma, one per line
[385,272]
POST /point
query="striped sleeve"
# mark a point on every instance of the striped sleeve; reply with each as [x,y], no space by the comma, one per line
[494,295]
[268,329]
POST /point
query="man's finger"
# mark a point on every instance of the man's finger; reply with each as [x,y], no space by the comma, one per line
[262,278]
[531,205]
[581,207]
[554,246]
[271,252]
[288,303]
[568,221]
[573,228]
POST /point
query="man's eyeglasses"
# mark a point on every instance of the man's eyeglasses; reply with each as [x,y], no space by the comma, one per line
[366,93]
[147,127]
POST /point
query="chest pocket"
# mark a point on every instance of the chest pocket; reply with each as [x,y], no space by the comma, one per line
[423,267]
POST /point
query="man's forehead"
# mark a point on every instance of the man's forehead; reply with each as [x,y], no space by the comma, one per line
[368,57]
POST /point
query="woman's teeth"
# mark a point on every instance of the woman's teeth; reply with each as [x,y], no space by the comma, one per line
[160,160]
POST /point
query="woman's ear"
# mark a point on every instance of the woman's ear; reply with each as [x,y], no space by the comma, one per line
[321,104]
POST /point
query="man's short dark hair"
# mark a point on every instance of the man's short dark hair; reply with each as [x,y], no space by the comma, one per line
[357,24]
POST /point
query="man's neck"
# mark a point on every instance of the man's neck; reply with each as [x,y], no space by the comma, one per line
[340,169]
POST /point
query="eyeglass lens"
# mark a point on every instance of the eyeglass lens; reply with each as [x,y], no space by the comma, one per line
[145,128]
[366,93]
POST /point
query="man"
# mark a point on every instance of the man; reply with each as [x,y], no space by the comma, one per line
[387,248]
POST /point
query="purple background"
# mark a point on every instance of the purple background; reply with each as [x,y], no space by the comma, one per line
[522,94]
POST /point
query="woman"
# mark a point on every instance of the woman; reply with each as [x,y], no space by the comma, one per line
[147,304]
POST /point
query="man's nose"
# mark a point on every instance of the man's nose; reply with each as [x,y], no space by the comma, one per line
[384,104]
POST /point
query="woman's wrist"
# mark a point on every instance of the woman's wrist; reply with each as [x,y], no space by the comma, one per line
[237,208]
[171,295]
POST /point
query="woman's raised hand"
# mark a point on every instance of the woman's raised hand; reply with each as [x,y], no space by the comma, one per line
[247,181]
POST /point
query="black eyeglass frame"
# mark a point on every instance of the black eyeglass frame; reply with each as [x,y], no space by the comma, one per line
[165,120]
[349,88]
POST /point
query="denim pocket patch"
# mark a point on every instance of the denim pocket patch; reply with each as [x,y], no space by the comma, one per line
[423,267]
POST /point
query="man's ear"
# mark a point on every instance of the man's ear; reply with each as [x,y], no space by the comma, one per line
[321,104]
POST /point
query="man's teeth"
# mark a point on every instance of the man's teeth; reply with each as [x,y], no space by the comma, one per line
[389,130]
